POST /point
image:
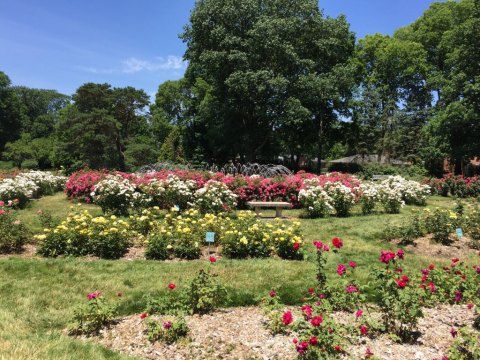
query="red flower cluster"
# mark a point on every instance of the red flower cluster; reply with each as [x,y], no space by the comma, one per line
[387,256]
[321,246]
[402,282]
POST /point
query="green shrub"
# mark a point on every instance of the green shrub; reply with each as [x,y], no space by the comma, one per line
[441,224]
[169,330]
[157,247]
[30,164]
[466,346]
[89,318]
[205,293]
[13,234]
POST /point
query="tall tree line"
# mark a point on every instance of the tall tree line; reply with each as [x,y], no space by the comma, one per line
[270,78]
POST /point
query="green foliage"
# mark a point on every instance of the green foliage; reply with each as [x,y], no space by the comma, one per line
[47,219]
[96,129]
[13,233]
[397,299]
[11,114]
[169,330]
[172,148]
[466,346]
[205,293]
[247,76]
[441,223]
[90,318]
[157,247]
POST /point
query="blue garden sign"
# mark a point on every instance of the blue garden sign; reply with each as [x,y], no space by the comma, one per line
[210,237]
[459,233]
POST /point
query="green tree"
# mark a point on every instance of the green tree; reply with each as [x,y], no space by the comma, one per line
[86,139]
[172,148]
[97,128]
[11,112]
[450,33]
[393,96]
[265,68]
[19,151]
[41,109]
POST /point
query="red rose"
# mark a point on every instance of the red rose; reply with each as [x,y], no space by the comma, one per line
[359,313]
[212,259]
[316,321]
[273,293]
[296,246]
[341,269]
[337,242]
[363,330]
[387,256]
[313,341]
[401,254]
[287,318]
[352,264]
[431,266]
[172,286]
[143,315]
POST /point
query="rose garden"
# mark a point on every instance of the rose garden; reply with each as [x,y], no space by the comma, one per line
[240,180]
[357,269]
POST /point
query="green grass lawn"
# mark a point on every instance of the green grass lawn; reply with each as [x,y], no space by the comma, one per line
[37,296]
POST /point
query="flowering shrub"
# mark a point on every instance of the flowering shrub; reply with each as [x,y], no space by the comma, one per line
[316,201]
[46,182]
[249,237]
[81,234]
[397,298]
[466,346]
[170,192]
[214,197]
[343,197]
[205,293]
[454,284]
[369,196]
[80,185]
[18,190]
[391,195]
[441,223]
[13,234]
[116,194]
[458,186]
[181,235]
[169,329]
[88,319]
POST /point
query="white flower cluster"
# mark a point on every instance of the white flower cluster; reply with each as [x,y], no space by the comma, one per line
[315,200]
[214,197]
[343,197]
[47,182]
[30,185]
[117,194]
[170,192]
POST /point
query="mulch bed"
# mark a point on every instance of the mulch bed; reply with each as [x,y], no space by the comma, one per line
[240,333]
[427,247]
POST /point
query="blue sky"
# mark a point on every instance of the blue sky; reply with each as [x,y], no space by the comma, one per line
[61,44]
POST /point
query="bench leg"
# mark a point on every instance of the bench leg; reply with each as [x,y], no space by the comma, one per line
[278,212]
[257,211]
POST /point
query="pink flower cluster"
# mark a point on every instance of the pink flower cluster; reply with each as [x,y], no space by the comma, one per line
[247,188]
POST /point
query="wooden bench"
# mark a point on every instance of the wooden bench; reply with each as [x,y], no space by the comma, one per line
[278,205]
[379,177]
